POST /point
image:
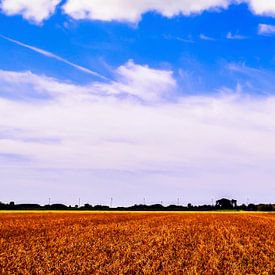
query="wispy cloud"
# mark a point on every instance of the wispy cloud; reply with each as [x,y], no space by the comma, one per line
[232,36]
[205,37]
[254,80]
[265,29]
[54,56]
[185,40]
[177,38]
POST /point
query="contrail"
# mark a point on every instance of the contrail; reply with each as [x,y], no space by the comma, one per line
[54,56]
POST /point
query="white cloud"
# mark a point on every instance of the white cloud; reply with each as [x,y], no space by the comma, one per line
[129,11]
[218,144]
[132,10]
[36,11]
[262,7]
[265,29]
[141,81]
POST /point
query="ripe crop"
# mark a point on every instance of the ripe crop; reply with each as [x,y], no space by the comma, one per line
[112,243]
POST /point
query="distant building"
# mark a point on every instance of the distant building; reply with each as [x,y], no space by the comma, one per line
[226,203]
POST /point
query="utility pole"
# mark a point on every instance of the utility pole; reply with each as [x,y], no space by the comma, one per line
[49,201]
[111,202]
[78,202]
[143,201]
[178,201]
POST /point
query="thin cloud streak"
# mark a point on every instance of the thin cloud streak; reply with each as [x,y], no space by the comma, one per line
[207,38]
[232,36]
[54,56]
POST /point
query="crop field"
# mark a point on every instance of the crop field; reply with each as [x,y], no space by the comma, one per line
[143,243]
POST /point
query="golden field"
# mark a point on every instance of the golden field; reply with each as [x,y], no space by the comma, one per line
[143,243]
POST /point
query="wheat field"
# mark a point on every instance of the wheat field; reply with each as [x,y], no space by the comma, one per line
[142,243]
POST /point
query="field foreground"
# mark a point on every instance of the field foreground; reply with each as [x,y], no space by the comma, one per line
[111,243]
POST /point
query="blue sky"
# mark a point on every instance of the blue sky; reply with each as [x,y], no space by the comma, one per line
[137,99]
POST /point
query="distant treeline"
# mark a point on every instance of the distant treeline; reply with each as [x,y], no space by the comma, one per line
[222,204]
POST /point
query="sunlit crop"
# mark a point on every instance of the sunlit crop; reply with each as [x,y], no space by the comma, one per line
[112,243]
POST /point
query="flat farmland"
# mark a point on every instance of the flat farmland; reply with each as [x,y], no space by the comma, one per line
[144,243]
